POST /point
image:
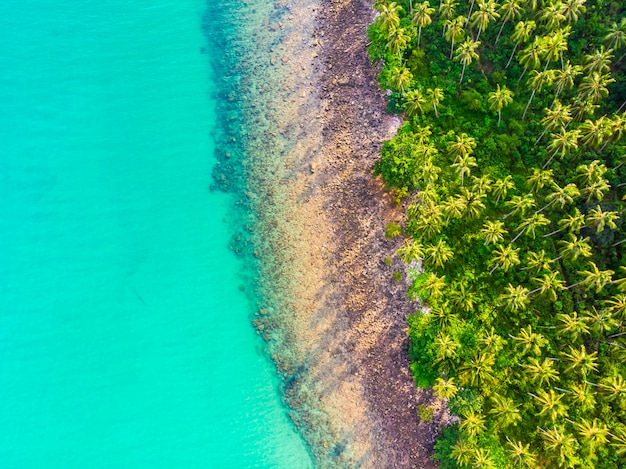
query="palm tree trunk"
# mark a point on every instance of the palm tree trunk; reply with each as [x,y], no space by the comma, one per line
[478,36]
[518,235]
[461,80]
[500,32]
[545,206]
[494,269]
[552,233]
[470,11]
[435,108]
[618,243]
[419,36]
[542,134]
[499,117]
[512,54]
[522,75]
[548,162]
[546,67]
[528,105]
[451,48]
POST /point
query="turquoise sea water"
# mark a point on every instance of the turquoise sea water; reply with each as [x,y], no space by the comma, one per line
[125,340]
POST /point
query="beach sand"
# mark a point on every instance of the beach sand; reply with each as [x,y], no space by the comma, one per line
[332,314]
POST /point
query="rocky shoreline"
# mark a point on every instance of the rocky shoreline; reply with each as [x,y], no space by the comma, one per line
[331,312]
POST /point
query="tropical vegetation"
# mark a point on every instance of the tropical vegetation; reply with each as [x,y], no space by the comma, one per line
[510,167]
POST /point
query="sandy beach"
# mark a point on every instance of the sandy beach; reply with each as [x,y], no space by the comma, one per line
[333,316]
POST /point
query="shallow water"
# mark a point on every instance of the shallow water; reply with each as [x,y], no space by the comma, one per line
[125,338]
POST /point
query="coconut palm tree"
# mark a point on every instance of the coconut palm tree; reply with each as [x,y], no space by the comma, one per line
[599,61]
[445,347]
[550,402]
[501,187]
[505,410]
[561,196]
[398,41]
[560,443]
[464,166]
[596,190]
[529,225]
[572,8]
[463,145]
[434,285]
[480,185]
[540,178]
[466,53]
[617,305]
[401,77]
[455,30]
[593,133]
[414,102]
[447,9]
[537,261]
[599,219]
[505,257]
[500,98]
[530,341]
[483,459]
[552,15]
[594,278]
[580,361]
[554,45]
[572,325]
[564,79]
[434,97]
[616,128]
[590,173]
[462,451]
[573,223]
[411,251]
[616,37]
[521,34]
[594,87]
[562,143]
[556,118]
[530,57]
[389,17]
[549,284]
[613,386]
[493,232]
[594,433]
[421,17]
[536,81]
[574,247]
[445,388]
[510,10]
[601,321]
[485,14]
[541,372]
[582,107]
[514,298]
[520,454]
[519,204]
[438,254]
[478,370]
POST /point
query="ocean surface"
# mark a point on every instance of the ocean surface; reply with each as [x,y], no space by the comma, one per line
[125,339]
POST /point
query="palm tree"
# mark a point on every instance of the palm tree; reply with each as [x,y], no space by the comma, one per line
[414,102]
[593,133]
[480,185]
[539,178]
[554,45]
[529,225]
[510,10]
[500,98]
[434,96]
[594,278]
[530,57]
[550,402]
[399,39]
[571,9]
[455,29]
[616,128]
[617,305]
[560,443]
[562,143]
[592,172]
[538,261]
[522,33]
[521,455]
[421,17]
[600,219]
[464,165]
[582,107]
[505,257]
[438,254]
[594,87]
[520,204]
[389,17]
[462,451]
[401,77]
[556,118]
[530,341]
[501,187]
[564,78]
[572,223]
[599,61]
[493,232]
[505,410]
[445,388]
[466,53]
[594,433]
[552,15]
[411,251]
[602,321]
[484,15]
[580,360]
[445,347]
[616,37]
[477,370]
[541,372]
[483,459]
[434,285]
[447,8]
[536,82]
[514,298]
[596,190]
[574,247]
[613,386]
[550,284]
[572,325]
[561,196]
[462,146]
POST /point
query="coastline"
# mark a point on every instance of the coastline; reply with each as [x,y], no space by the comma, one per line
[329,309]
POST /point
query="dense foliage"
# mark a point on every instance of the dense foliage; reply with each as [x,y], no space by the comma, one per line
[510,166]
